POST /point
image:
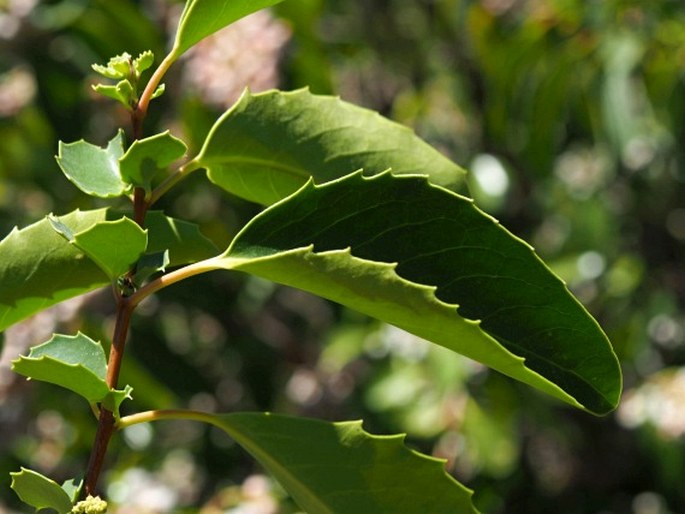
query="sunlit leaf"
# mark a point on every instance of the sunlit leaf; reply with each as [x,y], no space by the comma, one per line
[340,468]
[40,492]
[39,267]
[269,144]
[200,18]
[113,245]
[92,169]
[76,363]
[428,261]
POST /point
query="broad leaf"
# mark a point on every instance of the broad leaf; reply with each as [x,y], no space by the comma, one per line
[269,144]
[39,268]
[200,18]
[76,363]
[92,169]
[40,492]
[428,261]
[339,468]
[146,157]
[113,245]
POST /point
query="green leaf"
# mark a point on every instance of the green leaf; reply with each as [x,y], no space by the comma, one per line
[118,67]
[39,268]
[92,169]
[158,92]
[79,350]
[76,363]
[143,62]
[73,489]
[149,264]
[428,261]
[113,245]
[147,157]
[269,144]
[200,18]
[339,468]
[182,239]
[40,492]
[122,92]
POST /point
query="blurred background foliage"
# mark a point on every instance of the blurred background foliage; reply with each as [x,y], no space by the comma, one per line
[568,114]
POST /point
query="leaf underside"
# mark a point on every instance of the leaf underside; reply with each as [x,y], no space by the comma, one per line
[338,468]
[201,18]
[39,268]
[427,260]
[269,144]
[92,169]
[40,492]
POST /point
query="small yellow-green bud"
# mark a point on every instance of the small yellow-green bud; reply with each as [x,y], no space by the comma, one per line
[91,505]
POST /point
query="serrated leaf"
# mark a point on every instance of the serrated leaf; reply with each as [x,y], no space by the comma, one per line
[200,18]
[118,67]
[269,144]
[158,92]
[143,62]
[39,268]
[72,350]
[92,169]
[122,92]
[72,489]
[340,468]
[428,261]
[113,245]
[72,362]
[40,492]
[147,157]
[76,363]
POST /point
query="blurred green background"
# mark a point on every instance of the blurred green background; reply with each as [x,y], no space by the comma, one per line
[568,114]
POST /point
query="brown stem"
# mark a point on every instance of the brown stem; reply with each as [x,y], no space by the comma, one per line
[140,206]
[106,421]
[125,307]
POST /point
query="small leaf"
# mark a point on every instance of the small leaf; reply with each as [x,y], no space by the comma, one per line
[76,363]
[39,267]
[113,245]
[73,489]
[339,468]
[122,92]
[158,92]
[92,169]
[118,67]
[143,62]
[147,157]
[40,492]
[269,144]
[428,261]
[200,18]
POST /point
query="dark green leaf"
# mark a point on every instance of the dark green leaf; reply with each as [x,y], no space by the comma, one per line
[339,468]
[146,157]
[40,492]
[149,264]
[200,18]
[92,169]
[429,261]
[269,144]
